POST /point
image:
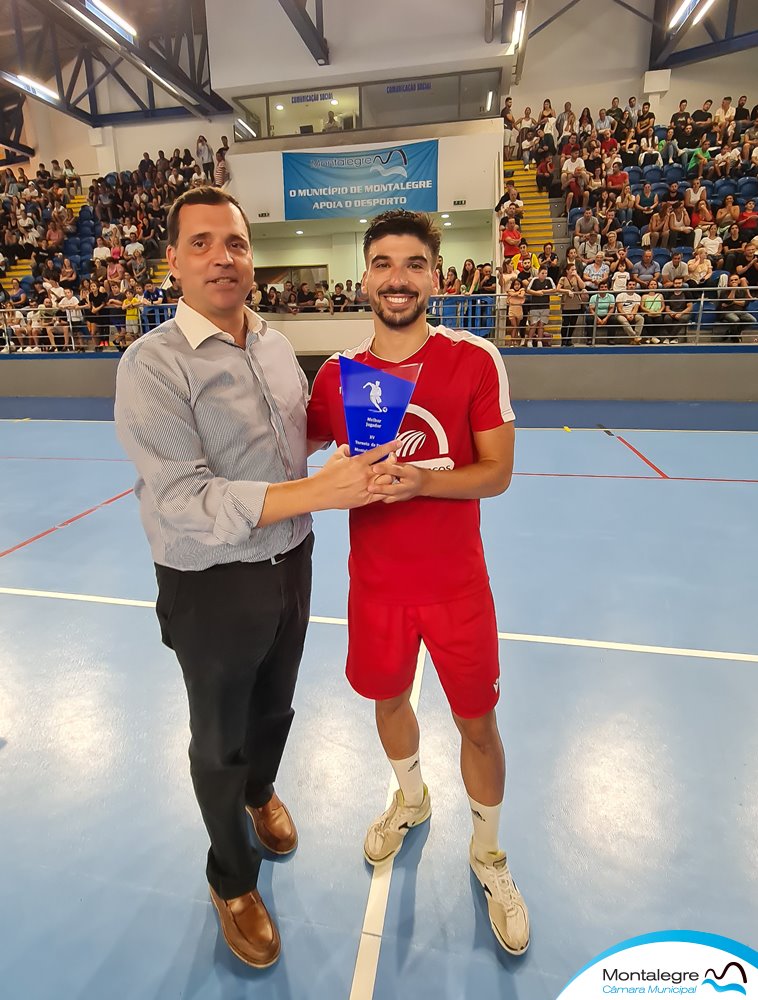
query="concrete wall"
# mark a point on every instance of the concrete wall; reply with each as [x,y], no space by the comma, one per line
[255,49]
[599,50]
[469,160]
[342,253]
[640,375]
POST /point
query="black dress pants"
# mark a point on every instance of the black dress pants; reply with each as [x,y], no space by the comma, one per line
[238,632]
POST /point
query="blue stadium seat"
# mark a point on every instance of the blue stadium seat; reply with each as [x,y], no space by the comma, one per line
[660,131]
[652,174]
[635,175]
[86,229]
[715,276]
[634,254]
[686,252]
[630,236]
[85,213]
[673,172]
[661,255]
[661,189]
[573,216]
[724,186]
[112,179]
[747,187]
[27,283]
[707,313]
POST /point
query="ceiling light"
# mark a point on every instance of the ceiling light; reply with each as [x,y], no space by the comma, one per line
[447,223]
[92,25]
[280,107]
[113,16]
[243,124]
[703,11]
[681,11]
[298,232]
[517,21]
[334,101]
[362,220]
[490,95]
[28,84]
[445,215]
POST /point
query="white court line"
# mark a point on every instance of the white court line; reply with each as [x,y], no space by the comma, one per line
[87,598]
[367,959]
[549,640]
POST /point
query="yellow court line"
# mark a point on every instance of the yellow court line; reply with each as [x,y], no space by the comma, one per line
[550,640]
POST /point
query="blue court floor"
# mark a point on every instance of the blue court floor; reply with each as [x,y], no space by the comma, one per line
[623,563]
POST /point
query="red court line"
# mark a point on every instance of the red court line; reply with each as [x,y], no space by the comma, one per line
[603,475]
[64,524]
[640,455]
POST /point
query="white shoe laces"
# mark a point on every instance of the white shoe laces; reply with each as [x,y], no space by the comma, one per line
[505,893]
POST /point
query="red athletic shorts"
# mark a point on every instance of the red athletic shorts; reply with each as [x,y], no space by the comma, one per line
[461,637]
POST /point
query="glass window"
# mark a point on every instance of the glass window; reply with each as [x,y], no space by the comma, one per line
[410,102]
[480,94]
[333,110]
[414,101]
[251,122]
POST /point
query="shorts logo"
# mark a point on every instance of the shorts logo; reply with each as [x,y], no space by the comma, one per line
[496,686]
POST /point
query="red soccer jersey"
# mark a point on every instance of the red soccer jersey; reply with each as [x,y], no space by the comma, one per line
[425,550]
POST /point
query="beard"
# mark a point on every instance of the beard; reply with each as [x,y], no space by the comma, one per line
[394,319]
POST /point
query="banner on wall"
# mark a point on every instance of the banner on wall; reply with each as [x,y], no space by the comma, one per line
[328,185]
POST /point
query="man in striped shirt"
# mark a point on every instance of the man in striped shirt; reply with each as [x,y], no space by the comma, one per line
[210,407]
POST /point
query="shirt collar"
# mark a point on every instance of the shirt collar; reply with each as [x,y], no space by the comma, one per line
[197,328]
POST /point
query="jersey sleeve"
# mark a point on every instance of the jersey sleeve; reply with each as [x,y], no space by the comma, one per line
[325,388]
[491,403]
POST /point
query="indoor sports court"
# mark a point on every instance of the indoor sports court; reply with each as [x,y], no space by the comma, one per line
[622,562]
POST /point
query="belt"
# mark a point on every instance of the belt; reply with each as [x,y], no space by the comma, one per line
[275,560]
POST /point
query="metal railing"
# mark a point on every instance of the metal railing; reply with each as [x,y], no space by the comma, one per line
[714,318]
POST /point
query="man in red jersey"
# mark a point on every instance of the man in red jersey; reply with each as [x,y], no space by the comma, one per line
[417,569]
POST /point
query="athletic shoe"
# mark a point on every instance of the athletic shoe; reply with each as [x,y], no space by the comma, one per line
[654,340]
[509,916]
[386,834]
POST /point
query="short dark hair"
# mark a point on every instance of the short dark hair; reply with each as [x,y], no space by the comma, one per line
[398,222]
[205,195]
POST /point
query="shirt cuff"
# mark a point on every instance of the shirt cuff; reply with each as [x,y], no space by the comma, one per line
[248,498]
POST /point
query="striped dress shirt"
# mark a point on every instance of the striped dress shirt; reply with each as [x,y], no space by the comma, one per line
[209,426]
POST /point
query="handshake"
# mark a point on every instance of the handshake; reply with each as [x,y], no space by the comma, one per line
[346,482]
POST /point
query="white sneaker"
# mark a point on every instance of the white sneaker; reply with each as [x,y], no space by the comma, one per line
[509,916]
[386,834]
[654,340]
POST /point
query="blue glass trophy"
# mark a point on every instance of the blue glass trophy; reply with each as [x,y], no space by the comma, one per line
[375,402]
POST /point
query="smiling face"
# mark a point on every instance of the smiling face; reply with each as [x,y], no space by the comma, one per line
[399,279]
[212,258]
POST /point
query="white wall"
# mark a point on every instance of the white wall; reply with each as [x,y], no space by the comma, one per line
[342,253]
[254,47]
[734,74]
[467,172]
[593,52]
[599,50]
[131,140]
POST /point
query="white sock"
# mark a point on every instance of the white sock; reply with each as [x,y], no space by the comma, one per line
[486,821]
[408,774]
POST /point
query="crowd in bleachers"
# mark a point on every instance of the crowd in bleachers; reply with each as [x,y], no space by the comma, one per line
[664,212]
[91,280]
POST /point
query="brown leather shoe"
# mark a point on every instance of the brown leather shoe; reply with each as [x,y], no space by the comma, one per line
[274,827]
[248,928]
